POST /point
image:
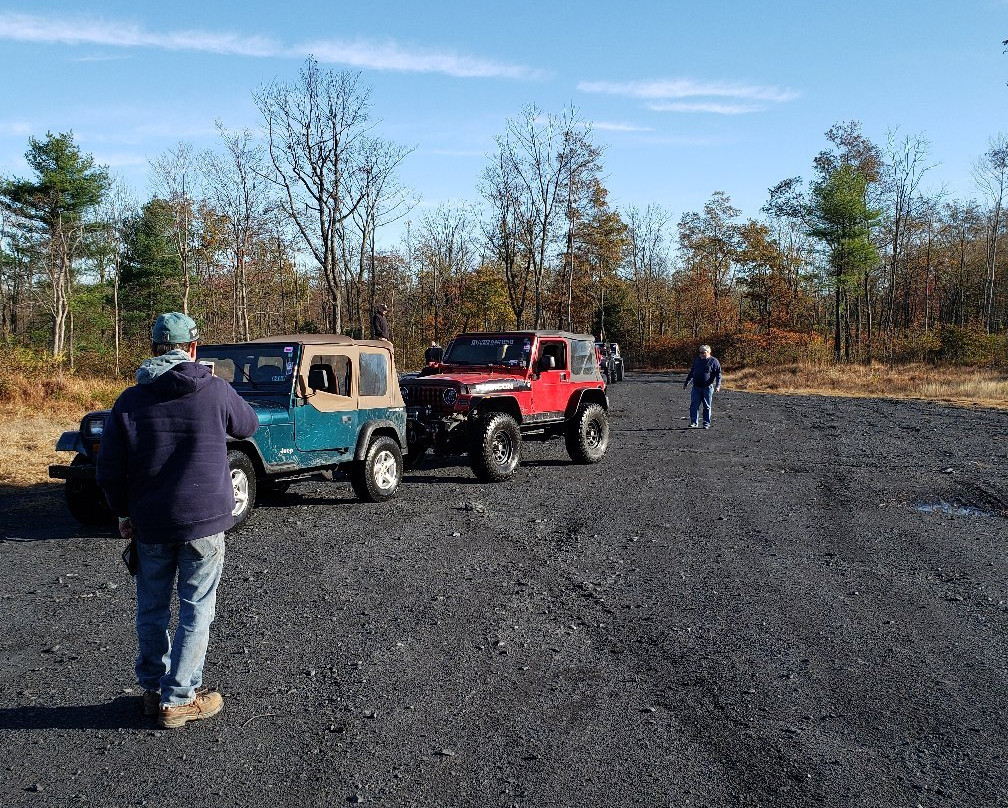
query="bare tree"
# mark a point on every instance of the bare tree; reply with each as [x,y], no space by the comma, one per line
[384,201]
[108,247]
[446,248]
[544,153]
[504,228]
[238,189]
[991,174]
[903,170]
[648,262]
[174,179]
[314,127]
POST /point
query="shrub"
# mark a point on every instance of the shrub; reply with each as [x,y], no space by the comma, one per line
[969,346]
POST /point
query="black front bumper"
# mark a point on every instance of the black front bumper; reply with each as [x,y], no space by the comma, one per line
[72,472]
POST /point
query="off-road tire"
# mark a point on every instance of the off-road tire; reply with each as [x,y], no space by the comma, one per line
[587,434]
[376,477]
[243,481]
[86,500]
[496,448]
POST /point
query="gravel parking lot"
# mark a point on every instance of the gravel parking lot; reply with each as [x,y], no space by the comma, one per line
[806,605]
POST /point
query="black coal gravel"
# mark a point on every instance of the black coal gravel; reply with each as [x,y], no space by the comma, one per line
[765,613]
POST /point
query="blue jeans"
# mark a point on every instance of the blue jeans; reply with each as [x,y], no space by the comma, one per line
[175,667]
[698,396]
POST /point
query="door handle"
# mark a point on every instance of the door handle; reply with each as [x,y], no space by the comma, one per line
[347,419]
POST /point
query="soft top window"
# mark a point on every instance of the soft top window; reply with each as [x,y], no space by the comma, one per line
[583,361]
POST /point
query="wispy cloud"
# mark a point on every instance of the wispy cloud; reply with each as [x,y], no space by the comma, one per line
[394,57]
[85,31]
[745,97]
[606,126]
[705,106]
[361,53]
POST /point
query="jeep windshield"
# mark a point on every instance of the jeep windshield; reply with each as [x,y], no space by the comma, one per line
[482,351]
[262,367]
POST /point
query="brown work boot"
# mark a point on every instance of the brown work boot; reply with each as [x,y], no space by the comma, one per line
[151,702]
[205,705]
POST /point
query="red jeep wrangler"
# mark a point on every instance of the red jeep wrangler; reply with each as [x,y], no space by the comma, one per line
[492,390]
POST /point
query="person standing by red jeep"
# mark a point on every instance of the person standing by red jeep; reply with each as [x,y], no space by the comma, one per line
[164,470]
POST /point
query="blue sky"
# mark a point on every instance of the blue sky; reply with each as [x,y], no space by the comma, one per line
[687,98]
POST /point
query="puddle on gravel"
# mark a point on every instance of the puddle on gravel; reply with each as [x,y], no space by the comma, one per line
[953,508]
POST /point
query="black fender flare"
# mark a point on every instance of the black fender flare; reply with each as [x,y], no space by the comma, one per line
[506,404]
[384,427]
[251,448]
[593,395]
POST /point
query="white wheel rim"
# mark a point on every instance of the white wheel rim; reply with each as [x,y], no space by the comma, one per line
[240,484]
[386,470]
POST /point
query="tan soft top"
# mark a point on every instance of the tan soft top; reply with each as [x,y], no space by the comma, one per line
[326,339]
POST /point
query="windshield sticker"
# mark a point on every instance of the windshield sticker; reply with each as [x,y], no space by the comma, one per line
[492,342]
[288,349]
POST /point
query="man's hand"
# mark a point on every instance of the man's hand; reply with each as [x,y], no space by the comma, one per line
[126,527]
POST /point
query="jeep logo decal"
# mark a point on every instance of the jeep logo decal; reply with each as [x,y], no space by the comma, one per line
[450,395]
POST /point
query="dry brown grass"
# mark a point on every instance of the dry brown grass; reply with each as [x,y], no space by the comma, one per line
[35,410]
[961,386]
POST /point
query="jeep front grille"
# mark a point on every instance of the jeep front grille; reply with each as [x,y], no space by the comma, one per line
[429,396]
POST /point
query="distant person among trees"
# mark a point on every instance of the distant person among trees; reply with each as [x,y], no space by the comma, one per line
[379,323]
[706,377]
[434,354]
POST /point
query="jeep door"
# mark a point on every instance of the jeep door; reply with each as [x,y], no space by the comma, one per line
[328,418]
[551,391]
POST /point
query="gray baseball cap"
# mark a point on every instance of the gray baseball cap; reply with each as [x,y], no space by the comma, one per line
[174,328]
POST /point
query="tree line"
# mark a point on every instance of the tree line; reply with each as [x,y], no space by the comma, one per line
[279,231]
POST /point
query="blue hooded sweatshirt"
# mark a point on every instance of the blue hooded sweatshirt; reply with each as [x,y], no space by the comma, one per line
[163,457]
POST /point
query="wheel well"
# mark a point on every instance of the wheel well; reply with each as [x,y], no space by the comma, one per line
[506,404]
[252,451]
[369,432]
[592,395]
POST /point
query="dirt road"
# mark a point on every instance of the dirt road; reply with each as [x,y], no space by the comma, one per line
[806,605]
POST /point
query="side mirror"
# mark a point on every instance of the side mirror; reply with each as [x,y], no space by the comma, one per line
[547,363]
[318,378]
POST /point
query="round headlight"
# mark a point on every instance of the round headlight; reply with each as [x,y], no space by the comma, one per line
[405,393]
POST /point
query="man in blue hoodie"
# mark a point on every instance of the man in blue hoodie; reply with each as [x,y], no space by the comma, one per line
[163,467]
[706,377]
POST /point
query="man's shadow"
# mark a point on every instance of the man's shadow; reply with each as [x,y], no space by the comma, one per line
[123,712]
[39,512]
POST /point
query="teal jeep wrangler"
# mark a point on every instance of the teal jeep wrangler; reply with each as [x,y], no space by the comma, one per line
[325,402]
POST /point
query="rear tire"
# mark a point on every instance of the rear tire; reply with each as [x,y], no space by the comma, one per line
[587,434]
[86,500]
[376,477]
[243,481]
[496,448]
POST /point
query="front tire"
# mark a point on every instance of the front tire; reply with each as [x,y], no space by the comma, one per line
[496,449]
[86,500]
[376,477]
[243,481]
[587,434]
